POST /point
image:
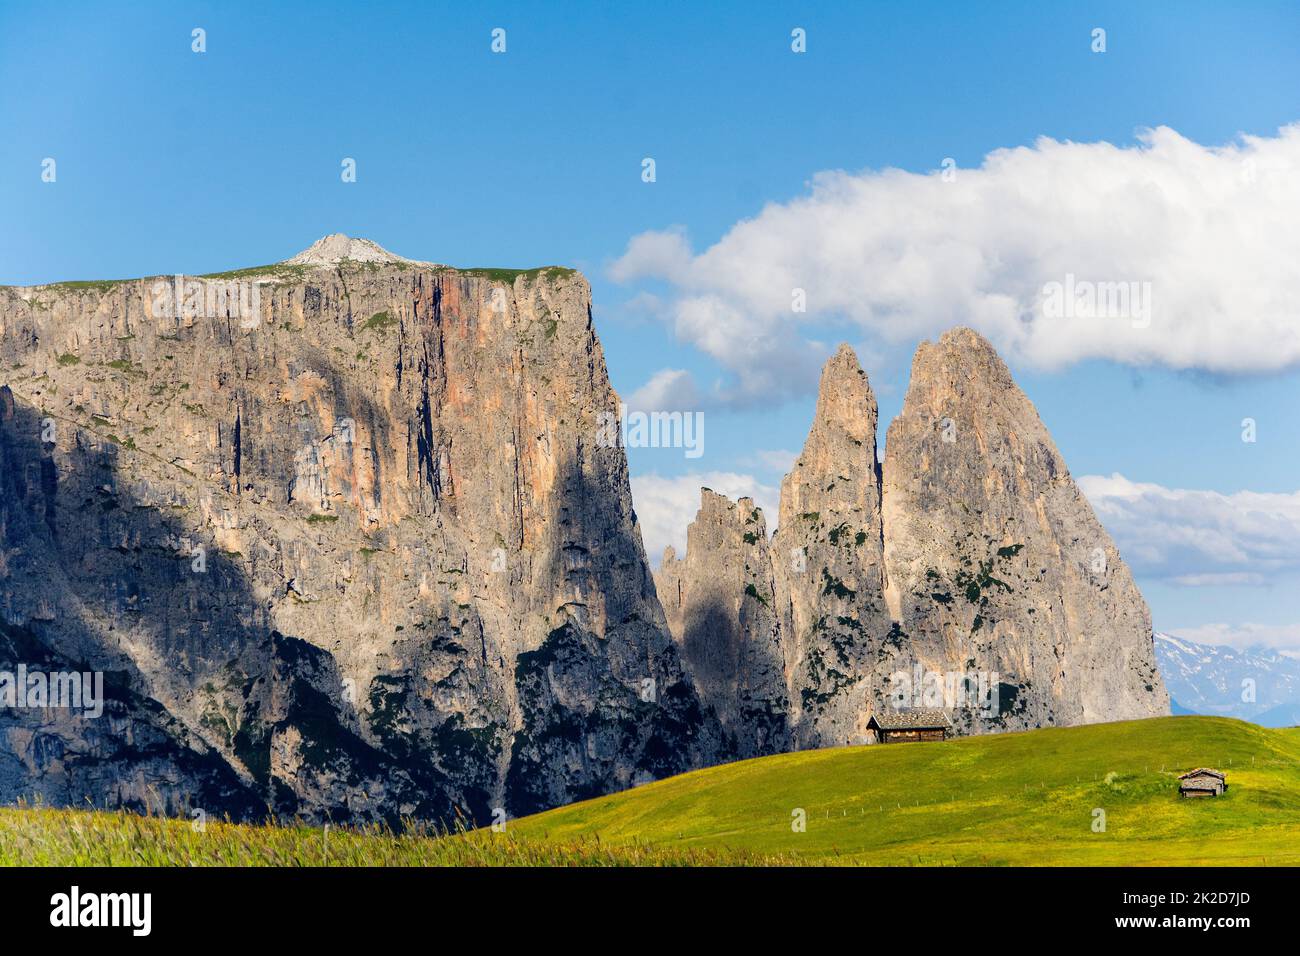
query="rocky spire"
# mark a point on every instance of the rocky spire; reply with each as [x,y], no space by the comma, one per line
[838,469]
[828,559]
[995,560]
[975,571]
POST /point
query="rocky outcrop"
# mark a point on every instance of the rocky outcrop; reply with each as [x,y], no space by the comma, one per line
[720,605]
[336,249]
[968,574]
[346,521]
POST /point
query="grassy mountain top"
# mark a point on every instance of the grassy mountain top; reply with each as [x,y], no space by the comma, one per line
[291,272]
[1024,799]
[509,275]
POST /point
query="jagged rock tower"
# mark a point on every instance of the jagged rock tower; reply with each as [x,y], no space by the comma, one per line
[970,566]
[830,564]
[993,555]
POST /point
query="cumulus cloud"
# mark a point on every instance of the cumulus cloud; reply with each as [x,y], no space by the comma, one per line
[664,253]
[1205,236]
[1198,538]
[666,505]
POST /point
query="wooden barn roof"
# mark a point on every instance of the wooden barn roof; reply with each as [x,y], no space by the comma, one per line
[1202,770]
[911,720]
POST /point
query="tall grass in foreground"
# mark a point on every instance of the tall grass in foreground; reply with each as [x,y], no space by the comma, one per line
[45,837]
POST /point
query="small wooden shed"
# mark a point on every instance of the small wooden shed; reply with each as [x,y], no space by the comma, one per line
[1202,782]
[907,725]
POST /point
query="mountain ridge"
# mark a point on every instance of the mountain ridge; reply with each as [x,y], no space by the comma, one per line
[1255,684]
[345,536]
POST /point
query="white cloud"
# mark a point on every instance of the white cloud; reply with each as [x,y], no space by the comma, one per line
[902,256]
[641,308]
[666,505]
[1219,579]
[668,390]
[653,253]
[1279,637]
[1198,538]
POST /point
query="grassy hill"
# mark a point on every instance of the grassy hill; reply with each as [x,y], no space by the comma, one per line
[1025,799]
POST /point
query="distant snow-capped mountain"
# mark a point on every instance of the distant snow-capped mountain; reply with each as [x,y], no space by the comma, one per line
[1215,679]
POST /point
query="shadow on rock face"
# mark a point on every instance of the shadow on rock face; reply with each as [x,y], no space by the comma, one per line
[206,707]
[96,581]
[603,713]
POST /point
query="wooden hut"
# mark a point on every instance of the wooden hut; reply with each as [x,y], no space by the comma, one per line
[1202,782]
[907,725]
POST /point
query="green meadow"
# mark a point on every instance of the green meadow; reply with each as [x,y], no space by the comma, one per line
[1105,794]
[1022,799]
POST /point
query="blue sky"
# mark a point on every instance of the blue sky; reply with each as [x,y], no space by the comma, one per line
[172,161]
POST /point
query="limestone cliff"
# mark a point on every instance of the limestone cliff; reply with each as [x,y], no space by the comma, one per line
[344,523]
[346,539]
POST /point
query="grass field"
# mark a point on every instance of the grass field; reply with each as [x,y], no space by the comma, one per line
[45,837]
[1023,799]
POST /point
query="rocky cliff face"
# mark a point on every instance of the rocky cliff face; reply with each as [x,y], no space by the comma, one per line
[969,574]
[343,533]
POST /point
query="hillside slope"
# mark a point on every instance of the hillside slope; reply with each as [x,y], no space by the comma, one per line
[32,836]
[1024,799]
